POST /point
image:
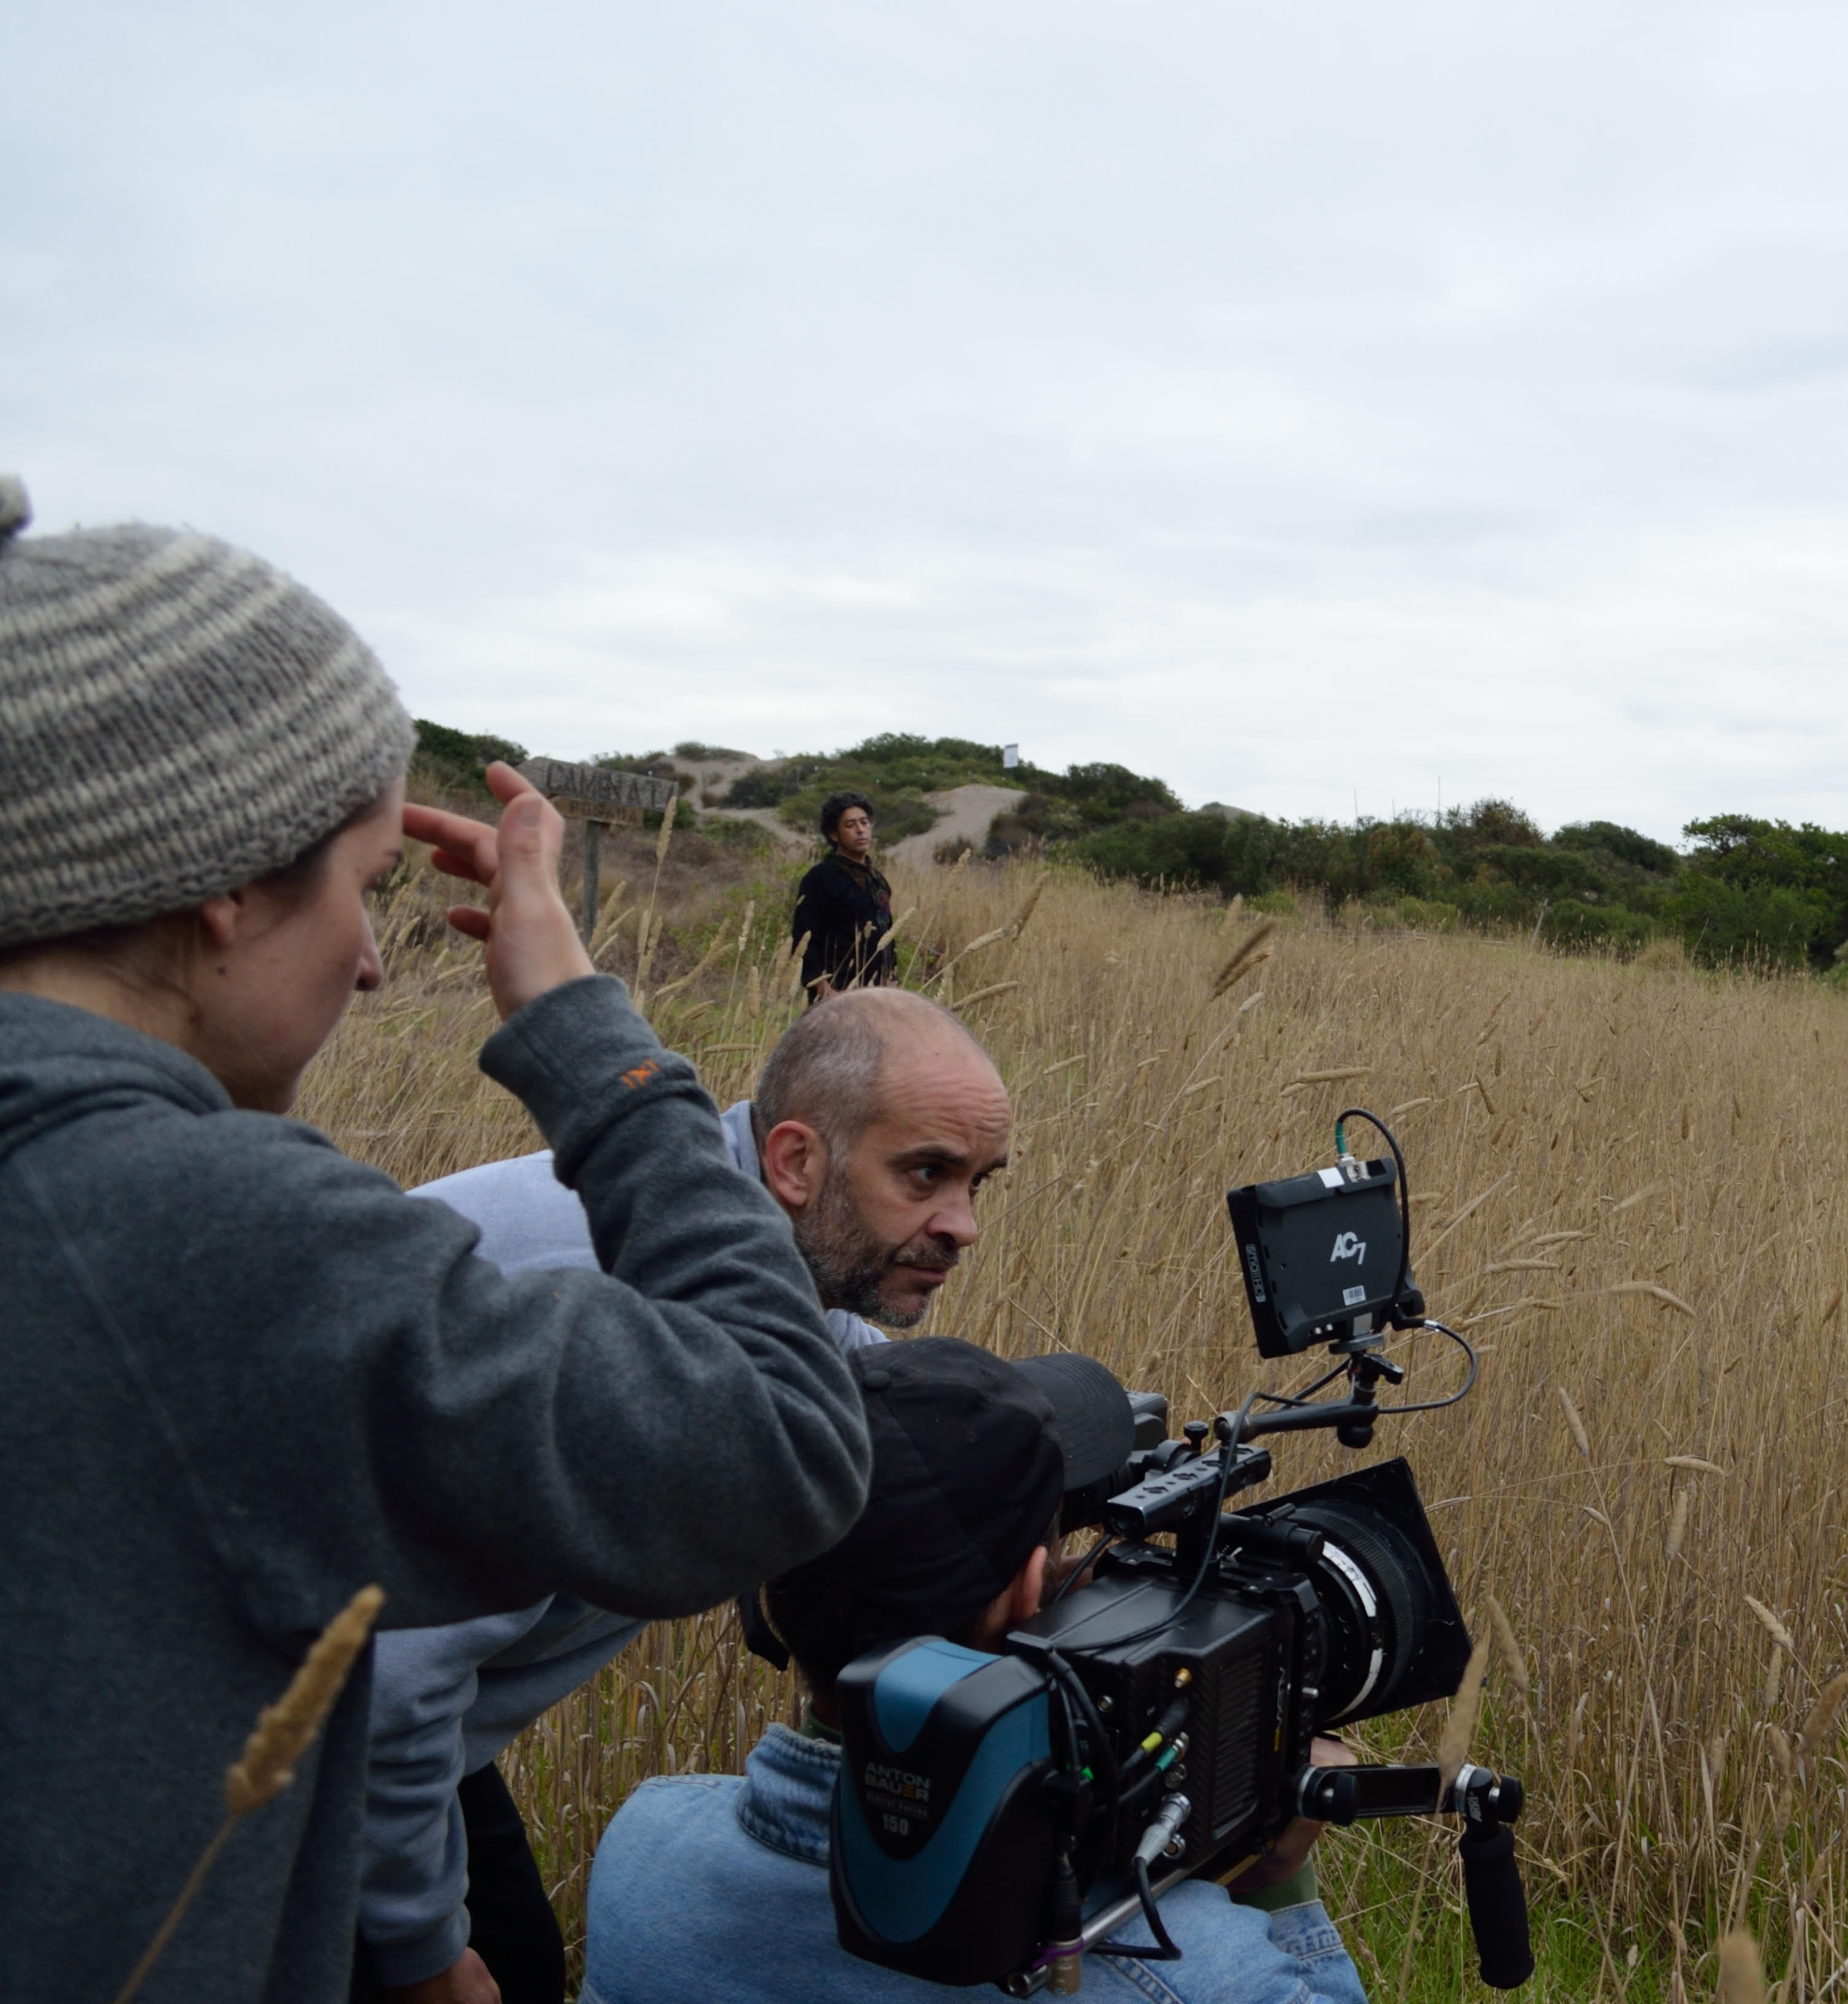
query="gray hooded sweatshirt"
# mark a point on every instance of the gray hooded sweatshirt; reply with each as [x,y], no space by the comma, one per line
[445,1702]
[240,1376]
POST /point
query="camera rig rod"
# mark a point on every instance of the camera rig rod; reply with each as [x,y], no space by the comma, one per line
[1101,1925]
[1351,1794]
[1353,1418]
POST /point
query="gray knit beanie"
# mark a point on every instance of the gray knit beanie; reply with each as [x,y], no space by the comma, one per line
[177,717]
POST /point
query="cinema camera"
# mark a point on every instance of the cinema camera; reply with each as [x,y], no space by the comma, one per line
[999,1817]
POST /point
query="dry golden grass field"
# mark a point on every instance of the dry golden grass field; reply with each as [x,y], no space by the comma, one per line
[1628,1189]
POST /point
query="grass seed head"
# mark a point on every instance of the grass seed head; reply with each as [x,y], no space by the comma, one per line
[1772,1626]
[1580,1439]
[1017,924]
[1741,1973]
[1716,1749]
[1452,1747]
[1243,957]
[1511,1649]
[285,1729]
[1816,1728]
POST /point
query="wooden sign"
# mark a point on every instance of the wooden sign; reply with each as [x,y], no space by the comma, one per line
[597,797]
[591,793]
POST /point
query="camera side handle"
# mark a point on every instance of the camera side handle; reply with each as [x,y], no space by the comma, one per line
[1488,1803]
[1498,1914]
[1492,1888]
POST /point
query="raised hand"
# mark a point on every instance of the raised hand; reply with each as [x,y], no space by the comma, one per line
[532,944]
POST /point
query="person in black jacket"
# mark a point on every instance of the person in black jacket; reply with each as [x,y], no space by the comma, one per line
[843,906]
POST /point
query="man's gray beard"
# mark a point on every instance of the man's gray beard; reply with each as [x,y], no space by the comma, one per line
[848,1262]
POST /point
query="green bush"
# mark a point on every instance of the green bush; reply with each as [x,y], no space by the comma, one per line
[1621,846]
[896,812]
[1575,925]
[1040,818]
[1762,890]
[456,762]
[651,765]
[1727,925]
[761,787]
[1414,914]
[748,837]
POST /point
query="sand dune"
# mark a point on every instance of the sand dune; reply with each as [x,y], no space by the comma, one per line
[968,810]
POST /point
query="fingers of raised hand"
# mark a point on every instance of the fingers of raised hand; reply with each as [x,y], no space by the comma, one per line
[452,865]
[532,829]
[505,783]
[469,918]
[464,848]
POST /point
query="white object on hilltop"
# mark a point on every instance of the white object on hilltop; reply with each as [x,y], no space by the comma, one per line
[1010,756]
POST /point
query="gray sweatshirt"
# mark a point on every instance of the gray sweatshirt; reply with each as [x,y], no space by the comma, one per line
[241,1376]
[445,1702]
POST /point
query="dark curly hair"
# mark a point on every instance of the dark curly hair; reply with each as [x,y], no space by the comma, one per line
[837,804]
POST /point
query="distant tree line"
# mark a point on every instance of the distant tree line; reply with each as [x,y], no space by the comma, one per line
[1741,891]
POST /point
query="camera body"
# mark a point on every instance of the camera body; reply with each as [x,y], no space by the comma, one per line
[1327,1606]
[992,1806]
[1320,1609]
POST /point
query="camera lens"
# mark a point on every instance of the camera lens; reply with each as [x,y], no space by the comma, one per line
[1375,1598]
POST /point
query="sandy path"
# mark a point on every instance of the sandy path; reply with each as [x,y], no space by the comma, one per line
[968,810]
[714,776]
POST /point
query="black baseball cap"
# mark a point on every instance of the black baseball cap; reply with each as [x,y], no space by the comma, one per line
[970,1455]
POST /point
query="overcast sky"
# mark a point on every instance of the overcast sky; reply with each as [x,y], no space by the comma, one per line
[1322,405]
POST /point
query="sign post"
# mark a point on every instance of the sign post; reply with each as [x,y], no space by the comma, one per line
[597,797]
[593,858]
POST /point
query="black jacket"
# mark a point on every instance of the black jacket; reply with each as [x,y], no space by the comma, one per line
[845,908]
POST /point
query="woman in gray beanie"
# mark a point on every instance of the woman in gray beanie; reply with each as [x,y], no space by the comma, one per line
[241,1376]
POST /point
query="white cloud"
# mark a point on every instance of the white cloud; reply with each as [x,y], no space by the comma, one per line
[1300,404]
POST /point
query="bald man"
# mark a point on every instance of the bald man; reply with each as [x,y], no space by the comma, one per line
[877,1120]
